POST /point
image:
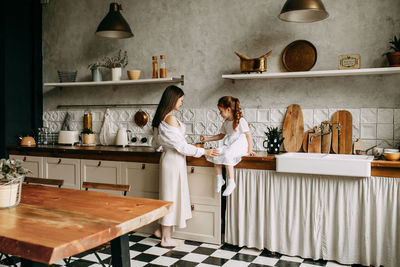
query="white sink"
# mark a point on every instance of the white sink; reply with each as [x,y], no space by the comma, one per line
[325,164]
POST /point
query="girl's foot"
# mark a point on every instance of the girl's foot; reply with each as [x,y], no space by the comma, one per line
[229,188]
[220,183]
[157,232]
[170,243]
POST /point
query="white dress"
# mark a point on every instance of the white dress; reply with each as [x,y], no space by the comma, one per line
[235,144]
[173,183]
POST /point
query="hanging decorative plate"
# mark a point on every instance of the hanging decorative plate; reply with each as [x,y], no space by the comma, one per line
[299,55]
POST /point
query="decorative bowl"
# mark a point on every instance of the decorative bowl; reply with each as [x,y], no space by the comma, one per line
[392,155]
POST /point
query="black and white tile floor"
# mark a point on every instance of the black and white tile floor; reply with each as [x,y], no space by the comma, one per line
[145,250]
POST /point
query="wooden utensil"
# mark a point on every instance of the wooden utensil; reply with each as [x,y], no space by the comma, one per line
[326,139]
[345,120]
[305,139]
[314,145]
[293,128]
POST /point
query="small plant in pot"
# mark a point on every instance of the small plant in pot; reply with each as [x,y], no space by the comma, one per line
[116,64]
[11,176]
[274,140]
[394,57]
[88,136]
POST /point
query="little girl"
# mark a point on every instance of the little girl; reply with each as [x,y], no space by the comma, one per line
[237,142]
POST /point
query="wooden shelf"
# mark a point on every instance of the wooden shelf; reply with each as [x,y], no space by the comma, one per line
[123,82]
[316,73]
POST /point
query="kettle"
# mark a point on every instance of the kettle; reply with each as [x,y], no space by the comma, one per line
[122,137]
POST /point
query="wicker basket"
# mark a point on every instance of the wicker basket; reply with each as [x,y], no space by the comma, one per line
[67,76]
[10,193]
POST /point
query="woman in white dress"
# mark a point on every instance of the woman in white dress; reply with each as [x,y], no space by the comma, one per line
[237,141]
[169,133]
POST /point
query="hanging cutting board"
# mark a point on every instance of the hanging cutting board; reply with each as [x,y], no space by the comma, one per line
[326,139]
[346,132]
[305,140]
[314,145]
[293,128]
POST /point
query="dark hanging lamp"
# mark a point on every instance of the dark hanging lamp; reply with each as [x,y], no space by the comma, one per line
[114,25]
[303,11]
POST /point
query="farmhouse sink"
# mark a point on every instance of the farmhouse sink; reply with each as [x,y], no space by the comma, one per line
[325,164]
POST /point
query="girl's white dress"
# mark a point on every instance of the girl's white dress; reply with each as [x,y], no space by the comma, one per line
[235,143]
[173,183]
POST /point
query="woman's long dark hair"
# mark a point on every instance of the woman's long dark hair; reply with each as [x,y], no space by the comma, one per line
[167,103]
[234,104]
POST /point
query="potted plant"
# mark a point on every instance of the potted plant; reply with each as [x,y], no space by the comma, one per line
[394,57]
[274,140]
[95,68]
[88,136]
[11,176]
[116,64]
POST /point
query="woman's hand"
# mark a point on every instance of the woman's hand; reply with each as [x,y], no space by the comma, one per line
[202,138]
[211,152]
[251,153]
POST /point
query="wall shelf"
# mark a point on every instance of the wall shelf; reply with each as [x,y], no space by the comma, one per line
[116,83]
[316,73]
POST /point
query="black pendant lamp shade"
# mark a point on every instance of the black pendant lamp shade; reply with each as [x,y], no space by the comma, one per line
[303,11]
[114,25]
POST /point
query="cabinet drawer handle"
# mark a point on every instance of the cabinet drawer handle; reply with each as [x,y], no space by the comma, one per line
[192,207]
[24,159]
[98,165]
[192,170]
[59,161]
[143,166]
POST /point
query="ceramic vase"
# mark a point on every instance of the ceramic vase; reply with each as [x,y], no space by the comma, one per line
[116,74]
[96,75]
[272,146]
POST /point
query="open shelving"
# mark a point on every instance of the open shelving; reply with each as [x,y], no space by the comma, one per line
[315,73]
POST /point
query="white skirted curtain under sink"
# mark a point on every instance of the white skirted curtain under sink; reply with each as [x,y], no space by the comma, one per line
[346,219]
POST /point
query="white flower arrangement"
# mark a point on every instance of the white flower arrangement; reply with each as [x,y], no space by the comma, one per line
[11,171]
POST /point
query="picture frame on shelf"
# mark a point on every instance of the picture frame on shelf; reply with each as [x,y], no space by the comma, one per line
[347,62]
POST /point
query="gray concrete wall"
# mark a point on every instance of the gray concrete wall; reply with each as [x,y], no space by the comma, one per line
[199,37]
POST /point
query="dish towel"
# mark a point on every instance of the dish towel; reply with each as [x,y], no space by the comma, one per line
[106,137]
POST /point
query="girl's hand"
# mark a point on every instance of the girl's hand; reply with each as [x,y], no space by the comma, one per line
[202,138]
[251,153]
[211,152]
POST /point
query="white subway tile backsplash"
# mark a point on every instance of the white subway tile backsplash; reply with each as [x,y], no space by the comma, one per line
[384,131]
[124,115]
[320,115]
[356,132]
[332,111]
[188,115]
[212,129]
[385,115]
[250,114]
[368,130]
[253,129]
[278,115]
[308,118]
[369,115]
[396,116]
[200,115]
[356,114]
[385,143]
[189,128]
[200,128]
[46,116]
[263,115]
[213,115]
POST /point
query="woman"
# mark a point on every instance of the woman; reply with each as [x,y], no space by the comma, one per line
[169,133]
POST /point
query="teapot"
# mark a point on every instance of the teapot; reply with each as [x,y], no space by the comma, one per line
[123,137]
[27,141]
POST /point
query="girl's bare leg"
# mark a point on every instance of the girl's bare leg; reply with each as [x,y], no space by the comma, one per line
[231,182]
[167,240]
[220,179]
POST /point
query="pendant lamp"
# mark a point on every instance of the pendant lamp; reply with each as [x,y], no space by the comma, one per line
[303,11]
[114,25]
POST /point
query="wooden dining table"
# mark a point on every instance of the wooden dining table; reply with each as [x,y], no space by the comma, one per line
[51,224]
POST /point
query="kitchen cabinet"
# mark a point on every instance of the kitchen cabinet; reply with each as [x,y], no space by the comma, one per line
[63,168]
[101,171]
[34,164]
[315,73]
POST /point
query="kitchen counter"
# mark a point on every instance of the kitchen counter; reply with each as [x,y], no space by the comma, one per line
[260,161]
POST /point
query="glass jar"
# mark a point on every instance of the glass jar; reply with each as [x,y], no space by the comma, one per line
[163,67]
[155,67]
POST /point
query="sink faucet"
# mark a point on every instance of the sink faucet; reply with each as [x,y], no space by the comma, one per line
[322,127]
[338,127]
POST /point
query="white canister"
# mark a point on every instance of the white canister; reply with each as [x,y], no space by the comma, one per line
[116,74]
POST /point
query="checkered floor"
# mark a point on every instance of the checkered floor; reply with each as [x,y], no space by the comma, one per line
[145,250]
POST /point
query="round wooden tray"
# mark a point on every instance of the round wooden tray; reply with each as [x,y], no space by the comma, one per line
[299,55]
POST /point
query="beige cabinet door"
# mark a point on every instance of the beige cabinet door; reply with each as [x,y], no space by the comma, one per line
[202,182]
[34,164]
[143,178]
[101,171]
[63,168]
[204,226]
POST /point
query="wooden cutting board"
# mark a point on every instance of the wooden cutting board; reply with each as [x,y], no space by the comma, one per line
[293,128]
[346,132]
[314,146]
[305,140]
[326,140]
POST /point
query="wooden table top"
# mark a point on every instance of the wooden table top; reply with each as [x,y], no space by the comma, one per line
[51,224]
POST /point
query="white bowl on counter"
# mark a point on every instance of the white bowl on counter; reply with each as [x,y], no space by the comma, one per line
[68,137]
